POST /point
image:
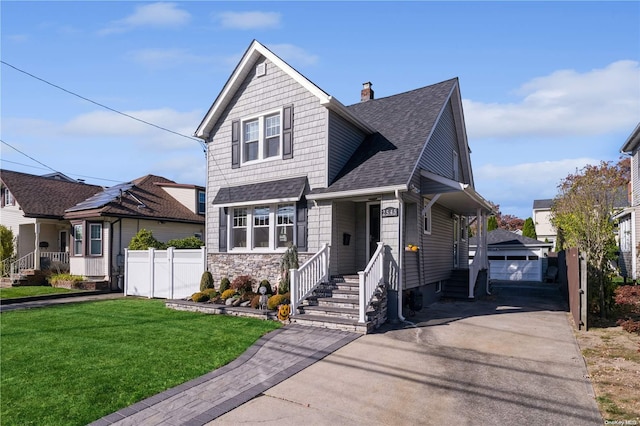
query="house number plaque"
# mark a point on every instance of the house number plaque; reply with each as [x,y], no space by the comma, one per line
[390,212]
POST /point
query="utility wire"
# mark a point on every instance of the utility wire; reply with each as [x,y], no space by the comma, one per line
[29,157]
[202,145]
[67,174]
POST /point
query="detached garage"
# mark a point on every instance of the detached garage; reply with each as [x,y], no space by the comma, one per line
[513,257]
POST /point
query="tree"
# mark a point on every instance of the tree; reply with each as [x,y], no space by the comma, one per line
[6,242]
[583,213]
[492,223]
[529,229]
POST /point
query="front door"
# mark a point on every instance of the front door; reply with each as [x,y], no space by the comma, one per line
[373,228]
[63,241]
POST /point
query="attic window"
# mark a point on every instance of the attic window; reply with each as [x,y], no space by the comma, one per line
[8,198]
[261,69]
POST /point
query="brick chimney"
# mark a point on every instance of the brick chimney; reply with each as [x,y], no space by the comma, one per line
[367,92]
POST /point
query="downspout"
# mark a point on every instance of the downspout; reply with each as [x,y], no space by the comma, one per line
[400,253]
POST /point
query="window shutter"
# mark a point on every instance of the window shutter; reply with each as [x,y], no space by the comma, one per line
[222,231]
[301,225]
[287,132]
[235,144]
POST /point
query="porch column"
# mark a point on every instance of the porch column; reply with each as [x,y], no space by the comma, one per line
[36,252]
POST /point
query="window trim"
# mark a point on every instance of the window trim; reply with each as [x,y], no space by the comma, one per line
[202,204]
[262,139]
[91,239]
[249,228]
[8,199]
[78,251]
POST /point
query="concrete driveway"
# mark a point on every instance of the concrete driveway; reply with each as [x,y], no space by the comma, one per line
[509,359]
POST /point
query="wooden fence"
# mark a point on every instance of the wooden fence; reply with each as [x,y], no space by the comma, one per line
[164,274]
[573,274]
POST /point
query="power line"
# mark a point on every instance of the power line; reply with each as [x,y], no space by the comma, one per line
[202,144]
[29,157]
[67,174]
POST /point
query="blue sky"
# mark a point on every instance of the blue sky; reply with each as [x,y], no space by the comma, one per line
[548,87]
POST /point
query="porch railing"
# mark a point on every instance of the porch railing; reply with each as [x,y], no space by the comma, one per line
[306,278]
[370,279]
[480,259]
[28,261]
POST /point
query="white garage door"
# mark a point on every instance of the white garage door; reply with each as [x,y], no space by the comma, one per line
[515,266]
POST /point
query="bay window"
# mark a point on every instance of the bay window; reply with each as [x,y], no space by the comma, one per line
[77,240]
[264,227]
[95,239]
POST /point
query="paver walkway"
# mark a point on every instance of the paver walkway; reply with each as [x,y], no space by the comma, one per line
[261,367]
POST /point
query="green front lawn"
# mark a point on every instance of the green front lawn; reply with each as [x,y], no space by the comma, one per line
[72,364]
[11,292]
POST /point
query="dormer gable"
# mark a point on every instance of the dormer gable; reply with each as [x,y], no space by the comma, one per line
[252,62]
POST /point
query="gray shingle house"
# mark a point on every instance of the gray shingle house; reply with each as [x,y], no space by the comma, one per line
[351,186]
[628,221]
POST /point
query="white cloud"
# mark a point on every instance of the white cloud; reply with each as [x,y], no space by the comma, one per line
[155,15]
[564,103]
[293,54]
[18,38]
[249,20]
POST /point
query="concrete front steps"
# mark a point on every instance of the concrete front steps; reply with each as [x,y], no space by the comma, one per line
[334,305]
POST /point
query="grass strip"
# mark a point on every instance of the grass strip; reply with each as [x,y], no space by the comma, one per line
[72,364]
[25,291]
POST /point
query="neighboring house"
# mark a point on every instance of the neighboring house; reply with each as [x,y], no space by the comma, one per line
[102,225]
[85,228]
[513,257]
[33,208]
[628,220]
[289,164]
[545,231]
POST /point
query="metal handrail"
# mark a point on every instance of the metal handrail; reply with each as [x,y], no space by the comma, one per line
[304,280]
[370,279]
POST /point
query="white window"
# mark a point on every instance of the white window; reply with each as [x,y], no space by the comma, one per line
[426,217]
[239,228]
[284,228]
[95,239]
[8,198]
[262,228]
[77,240]
[262,137]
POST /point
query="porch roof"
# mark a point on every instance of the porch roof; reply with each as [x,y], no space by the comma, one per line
[455,196]
[278,191]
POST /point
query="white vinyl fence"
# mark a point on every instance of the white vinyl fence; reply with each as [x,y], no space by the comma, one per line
[164,274]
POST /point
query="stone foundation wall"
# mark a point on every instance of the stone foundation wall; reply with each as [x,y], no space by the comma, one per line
[258,266]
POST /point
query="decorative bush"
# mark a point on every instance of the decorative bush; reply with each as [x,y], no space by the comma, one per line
[224,284]
[211,292]
[627,299]
[266,284]
[243,284]
[227,294]
[206,281]
[255,301]
[199,297]
[276,300]
[144,240]
[58,278]
[186,243]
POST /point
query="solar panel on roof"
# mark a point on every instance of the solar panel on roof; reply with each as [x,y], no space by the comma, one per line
[102,198]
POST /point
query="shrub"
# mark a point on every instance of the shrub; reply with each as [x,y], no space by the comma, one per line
[627,299]
[266,284]
[276,300]
[288,261]
[144,240]
[206,281]
[243,284]
[255,301]
[55,279]
[249,295]
[186,243]
[199,297]
[224,284]
[211,292]
[227,294]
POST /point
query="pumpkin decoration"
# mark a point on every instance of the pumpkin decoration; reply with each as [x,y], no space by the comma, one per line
[283,312]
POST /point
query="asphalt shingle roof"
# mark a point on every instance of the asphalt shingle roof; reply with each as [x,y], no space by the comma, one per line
[499,237]
[273,190]
[41,196]
[143,198]
[403,123]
